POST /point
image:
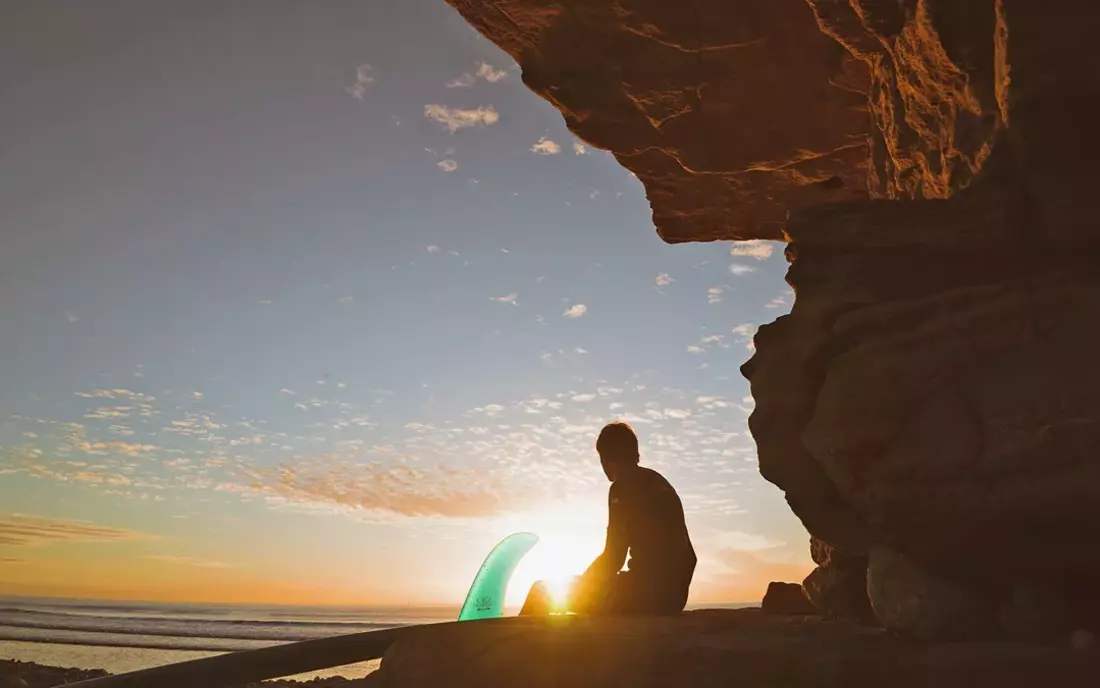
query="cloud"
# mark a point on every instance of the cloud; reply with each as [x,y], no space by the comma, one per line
[12,560]
[745,333]
[755,248]
[577,310]
[781,301]
[434,249]
[364,79]
[20,530]
[401,490]
[579,149]
[457,118]
[194,562]
[346,301]
[70,317]
[663,280]
[739,270]
[448,165]
[511,298]
[714,295]
[488,73]
[485,72]
[546,147]
[464,81]
[583,398]
[116,394]
[287,392]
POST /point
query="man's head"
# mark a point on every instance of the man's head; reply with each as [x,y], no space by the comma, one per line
[617,446]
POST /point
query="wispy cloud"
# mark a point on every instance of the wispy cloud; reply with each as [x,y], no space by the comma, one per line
[287,392]
[364,79]
[70,317]
[398,490]
[714,295]
[745,332]
[448,165]
[577,310]
[545,146]
[781,301]
[755,248]
[346,301]
[511,298]
[12,560]
[579,148]
[708,342]
[739,269]
[464,81]
[485,72]
[193,562]
[19,530]
[457,118]
[663,280]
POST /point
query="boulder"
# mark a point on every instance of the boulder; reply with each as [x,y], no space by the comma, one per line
[787,599]
[714,648]
[912,601]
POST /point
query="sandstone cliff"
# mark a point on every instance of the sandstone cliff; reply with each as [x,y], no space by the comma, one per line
[932,394]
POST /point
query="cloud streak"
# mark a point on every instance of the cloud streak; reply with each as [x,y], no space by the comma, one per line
[19,530]
[577,310]
[192,562]
[454,119]
[545,146]
[364,79]
[755,248]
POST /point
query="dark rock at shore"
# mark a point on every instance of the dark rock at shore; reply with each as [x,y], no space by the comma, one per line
[787,598]
[16,674]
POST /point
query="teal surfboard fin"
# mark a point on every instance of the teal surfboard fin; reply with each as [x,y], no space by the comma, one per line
[486,597]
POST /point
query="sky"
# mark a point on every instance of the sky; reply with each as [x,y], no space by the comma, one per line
[315,302]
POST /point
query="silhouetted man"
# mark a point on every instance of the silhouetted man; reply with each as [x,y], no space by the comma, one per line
[646,520]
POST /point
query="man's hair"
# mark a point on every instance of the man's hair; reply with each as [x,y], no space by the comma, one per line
[617,440]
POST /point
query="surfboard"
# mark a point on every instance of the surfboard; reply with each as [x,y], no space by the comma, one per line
[486,597]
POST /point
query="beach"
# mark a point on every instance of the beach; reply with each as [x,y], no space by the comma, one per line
[125,636]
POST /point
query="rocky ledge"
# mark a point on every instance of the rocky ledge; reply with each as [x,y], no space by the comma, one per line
[744,647]
[931,405]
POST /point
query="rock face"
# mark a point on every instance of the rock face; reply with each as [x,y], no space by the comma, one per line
[909,599]
[931,164]
[715,648]
[706,102]
[838,585]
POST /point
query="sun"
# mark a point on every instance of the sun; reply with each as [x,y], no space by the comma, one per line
[570,537]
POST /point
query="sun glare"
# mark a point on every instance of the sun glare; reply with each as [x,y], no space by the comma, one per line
[569,539]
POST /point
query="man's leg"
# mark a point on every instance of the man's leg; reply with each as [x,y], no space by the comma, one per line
[539,602]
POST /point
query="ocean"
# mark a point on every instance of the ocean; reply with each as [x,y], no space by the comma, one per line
[125,636]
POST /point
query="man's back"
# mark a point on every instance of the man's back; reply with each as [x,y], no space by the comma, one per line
[652,517]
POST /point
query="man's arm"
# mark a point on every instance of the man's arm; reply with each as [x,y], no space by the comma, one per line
[615,547]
